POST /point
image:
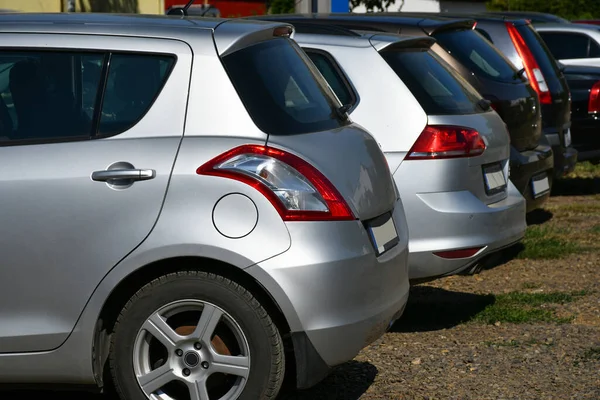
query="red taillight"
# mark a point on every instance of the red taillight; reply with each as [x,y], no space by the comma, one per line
[296,189]
[594,101]
[462,253]
[441,141]
[534,73]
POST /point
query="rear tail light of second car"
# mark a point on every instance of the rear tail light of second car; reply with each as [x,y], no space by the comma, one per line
[297,190]
[594,100]
[534,73]
[444,141]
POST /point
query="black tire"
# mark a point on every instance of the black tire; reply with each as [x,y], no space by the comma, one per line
[264,340]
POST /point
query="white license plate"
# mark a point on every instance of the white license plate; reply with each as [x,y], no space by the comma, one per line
[540,185]
[494,178]
[568,137]
[383,233]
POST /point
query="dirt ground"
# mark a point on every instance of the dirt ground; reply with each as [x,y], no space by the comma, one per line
[528,328]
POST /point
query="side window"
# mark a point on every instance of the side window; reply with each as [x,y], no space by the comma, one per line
[566,46]
[134,82]
[42,95]
[333,75]
[594,49]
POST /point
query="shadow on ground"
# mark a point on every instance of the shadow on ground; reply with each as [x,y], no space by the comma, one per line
[576,187]
[538,217]
[431,309]
[349,381]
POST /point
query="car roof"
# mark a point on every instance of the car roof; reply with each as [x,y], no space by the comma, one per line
[429,23]
[378,40]
[567,27]
[228,31]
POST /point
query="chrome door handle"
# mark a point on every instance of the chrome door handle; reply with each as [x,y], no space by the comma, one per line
[123,174]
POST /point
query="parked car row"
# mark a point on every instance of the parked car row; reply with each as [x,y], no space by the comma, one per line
[228,204]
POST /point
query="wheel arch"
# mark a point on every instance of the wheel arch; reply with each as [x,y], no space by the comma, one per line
[136,279]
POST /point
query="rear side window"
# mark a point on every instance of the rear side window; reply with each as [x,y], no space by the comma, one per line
[566,46]
[476,53]
[53,96]
[281,89]
[333,75]
[433,82]
[134,81]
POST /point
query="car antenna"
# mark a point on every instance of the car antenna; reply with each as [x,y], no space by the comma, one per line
[181,11]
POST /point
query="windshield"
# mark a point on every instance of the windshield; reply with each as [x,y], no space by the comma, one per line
[478,54]
[433,82]
[282,90]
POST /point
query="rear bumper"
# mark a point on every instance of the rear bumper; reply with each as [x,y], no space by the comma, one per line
[491,227]
[528,164]
[586,139]
[335,294]
[565,158]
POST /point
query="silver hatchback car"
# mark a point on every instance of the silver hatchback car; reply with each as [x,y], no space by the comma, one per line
[448,150]
[187,206]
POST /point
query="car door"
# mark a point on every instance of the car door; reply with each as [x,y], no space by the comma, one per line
[572,48]
[89,131]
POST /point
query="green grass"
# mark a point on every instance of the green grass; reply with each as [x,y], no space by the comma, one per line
[531,285]
[595,229]
[585,170]
[592,354]
[542,242]
[520,308]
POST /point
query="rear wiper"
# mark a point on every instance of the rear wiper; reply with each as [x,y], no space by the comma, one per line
[485,104]
[342,111]
[519,73]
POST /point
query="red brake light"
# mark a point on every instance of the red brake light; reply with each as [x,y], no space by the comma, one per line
[441,141]
[538,82]
[594,101]
[462,253]
[297,190]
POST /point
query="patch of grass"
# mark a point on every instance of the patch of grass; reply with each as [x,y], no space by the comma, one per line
[531,285]
[585,170]
[595,229]
[520,308]
[543,242]
[592,354]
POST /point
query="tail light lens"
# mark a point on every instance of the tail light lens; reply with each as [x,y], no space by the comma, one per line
[296,189]
[538,82]
[442,141]
[594,101]
[462,253]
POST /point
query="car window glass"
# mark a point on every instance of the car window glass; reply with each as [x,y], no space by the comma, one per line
[594,49]
[566,46]
[478,54]
[332,75]
[433,82]
[42,97]
[282,89]
[134,82]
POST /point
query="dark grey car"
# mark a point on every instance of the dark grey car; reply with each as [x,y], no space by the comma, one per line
[485,68]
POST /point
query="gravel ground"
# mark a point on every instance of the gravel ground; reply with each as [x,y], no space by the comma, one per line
[437,352]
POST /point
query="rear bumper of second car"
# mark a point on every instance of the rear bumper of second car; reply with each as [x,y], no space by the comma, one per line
[528,165]
[335,293]
[565,157]
[458,220]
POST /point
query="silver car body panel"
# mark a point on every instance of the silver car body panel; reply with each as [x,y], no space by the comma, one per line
[56,292]
[446,204]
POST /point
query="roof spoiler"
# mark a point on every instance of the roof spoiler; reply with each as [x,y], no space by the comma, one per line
[433,27]
[382,42]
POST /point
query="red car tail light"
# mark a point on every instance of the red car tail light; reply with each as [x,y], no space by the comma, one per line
[534,73]
[443,141]
[297,190]
[594,101]
[462,253]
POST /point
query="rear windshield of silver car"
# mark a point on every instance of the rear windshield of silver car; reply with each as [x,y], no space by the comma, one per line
[282,90]
[438,89]
[478,55]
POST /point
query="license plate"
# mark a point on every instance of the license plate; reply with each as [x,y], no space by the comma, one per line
[383,233]
[568,137]
[495,181]
[540,185]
